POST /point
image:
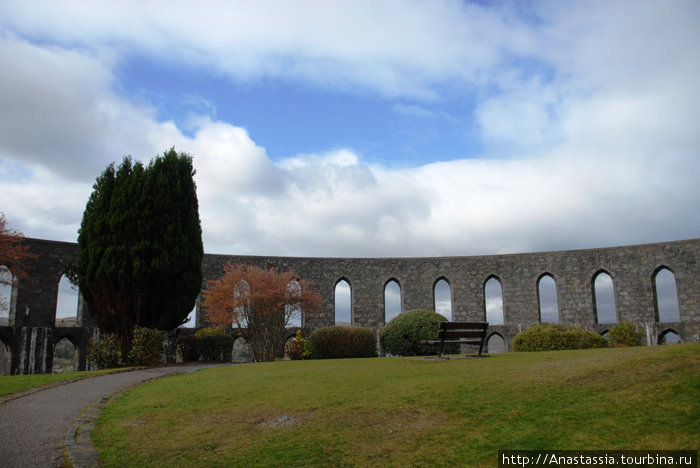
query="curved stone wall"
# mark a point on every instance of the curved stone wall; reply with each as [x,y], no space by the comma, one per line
[632,269]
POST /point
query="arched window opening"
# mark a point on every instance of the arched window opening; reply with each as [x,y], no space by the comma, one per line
[241,351]
[6,279]
[604,298]
[392,300]
[292,310]
[66,303]
[667,309]
[241,309]
[443,298]
[547,294]
[289,345]
[669,337]
[496,344]
[493,301]
[5,358]
[343,303]
[64,357]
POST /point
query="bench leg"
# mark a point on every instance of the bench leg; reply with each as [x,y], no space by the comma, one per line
[442,346]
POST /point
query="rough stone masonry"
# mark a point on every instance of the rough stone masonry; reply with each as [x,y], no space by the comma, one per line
[31,334]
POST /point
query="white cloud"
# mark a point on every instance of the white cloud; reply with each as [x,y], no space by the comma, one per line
[524,116]
[40,202]
[594,140]
[59,111]
[394,47]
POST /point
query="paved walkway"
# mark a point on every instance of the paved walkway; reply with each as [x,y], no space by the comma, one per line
[35,428]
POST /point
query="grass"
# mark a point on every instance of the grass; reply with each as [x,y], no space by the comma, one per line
[403,412]
[10,384]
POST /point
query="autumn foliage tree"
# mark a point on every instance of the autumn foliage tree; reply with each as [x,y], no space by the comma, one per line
[260,303]
[12,255]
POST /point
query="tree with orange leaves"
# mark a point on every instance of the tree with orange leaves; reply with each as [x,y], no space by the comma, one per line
[260,303]
[12,254]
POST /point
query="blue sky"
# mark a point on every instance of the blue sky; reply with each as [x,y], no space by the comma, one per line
[294,118]
[363,128]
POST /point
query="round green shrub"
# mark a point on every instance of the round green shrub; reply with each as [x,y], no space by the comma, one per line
[342,342]
[625,333]
[403,334]
[554,336]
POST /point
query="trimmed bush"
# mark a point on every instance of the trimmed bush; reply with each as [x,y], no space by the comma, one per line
[402,336]
[148,346]
[104,351]
[625,333]
[342,342]
[188,348]
[298,348]
[554,336]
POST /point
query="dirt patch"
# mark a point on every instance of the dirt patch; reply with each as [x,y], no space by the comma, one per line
[139,422]
[278,421]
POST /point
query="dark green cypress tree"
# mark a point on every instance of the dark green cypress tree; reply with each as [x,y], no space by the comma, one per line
[168,254]
[140,246]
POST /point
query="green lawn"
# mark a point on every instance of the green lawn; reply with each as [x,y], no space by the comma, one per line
[408,412]
[18,383]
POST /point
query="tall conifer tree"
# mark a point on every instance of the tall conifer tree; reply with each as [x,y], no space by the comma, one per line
[140,246]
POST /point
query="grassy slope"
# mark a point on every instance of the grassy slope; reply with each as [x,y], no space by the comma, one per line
[17,383]
[399,412]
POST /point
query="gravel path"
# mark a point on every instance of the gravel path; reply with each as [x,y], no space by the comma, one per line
[33,428]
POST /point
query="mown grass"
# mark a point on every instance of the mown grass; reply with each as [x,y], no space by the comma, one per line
[10,384]
[403,412]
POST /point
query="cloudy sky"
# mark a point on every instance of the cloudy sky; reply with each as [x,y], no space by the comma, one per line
[364,128]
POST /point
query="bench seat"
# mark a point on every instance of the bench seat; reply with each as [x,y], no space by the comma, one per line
[472,333]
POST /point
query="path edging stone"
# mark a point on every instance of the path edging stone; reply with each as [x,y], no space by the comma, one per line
[77,443]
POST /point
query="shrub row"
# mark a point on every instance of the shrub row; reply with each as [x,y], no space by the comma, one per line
[401,336]
[147,349]
[208,344]
[342,342]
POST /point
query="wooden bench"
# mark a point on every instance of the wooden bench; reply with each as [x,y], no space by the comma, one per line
[473,333]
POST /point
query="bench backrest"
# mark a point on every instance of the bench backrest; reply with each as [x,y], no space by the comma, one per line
[459,330]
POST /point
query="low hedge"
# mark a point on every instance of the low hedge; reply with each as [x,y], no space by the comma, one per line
[215,347]
[342,342]
[554,336]
[146,349]
[188,348]
[403,334]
